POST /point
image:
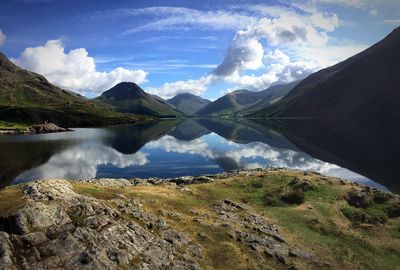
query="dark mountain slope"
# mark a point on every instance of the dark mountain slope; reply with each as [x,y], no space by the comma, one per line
[365,85]
[242,102]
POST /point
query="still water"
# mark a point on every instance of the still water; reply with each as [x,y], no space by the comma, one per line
[192,147]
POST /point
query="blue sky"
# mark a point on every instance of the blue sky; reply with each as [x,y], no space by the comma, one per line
[204,47]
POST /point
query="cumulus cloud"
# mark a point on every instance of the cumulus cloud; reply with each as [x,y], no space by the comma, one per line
[2,38]
[326,22]
[280,68]
[246,51]
[243,53]
[74,70]
[197,87]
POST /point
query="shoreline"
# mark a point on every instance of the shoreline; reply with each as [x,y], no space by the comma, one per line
[277,218]
[53,128]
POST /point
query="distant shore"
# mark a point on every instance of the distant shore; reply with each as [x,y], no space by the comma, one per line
[35,129]
[53,128]
[282,219]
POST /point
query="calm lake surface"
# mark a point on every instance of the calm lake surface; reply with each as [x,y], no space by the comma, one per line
[173,148]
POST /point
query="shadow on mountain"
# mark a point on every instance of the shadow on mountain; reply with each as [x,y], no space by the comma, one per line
[128,139]
[370,148]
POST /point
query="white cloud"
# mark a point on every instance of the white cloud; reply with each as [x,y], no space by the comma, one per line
[197,87]
[74,70]
[373,12]
[370,6]
[180,18]
[280,68]
[349,3]
[246,51]
[2,38]
[331,54]
[243,53]
[326,22]
[392,21]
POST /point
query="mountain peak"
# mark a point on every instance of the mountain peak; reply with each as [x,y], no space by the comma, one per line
[188,103]
[123,91]
[185,95]
[6,64]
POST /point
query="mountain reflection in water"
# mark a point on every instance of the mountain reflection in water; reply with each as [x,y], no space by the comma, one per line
[201,146]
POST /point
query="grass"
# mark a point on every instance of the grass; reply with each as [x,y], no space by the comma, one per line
[4,125]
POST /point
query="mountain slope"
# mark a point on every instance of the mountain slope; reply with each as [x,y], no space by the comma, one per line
[365,85]
[188,103]
[129,97]
[242,102]
[26,97]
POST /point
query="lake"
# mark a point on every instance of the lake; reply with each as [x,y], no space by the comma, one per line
[171,148]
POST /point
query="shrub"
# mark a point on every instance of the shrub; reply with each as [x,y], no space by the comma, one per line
[256,184]
[393,210]
[293,197]
[301,185]
[358,199]
[380,197]
[370,215]
[356,216]
[271,200]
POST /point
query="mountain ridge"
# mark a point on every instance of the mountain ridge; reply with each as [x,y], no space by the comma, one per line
[364,85]
[243,101]
[130,98]
[188,103]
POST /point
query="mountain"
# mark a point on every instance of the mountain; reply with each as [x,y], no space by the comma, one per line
[365,85]
[243,102]
[27,97]
[187,103]
[129,97]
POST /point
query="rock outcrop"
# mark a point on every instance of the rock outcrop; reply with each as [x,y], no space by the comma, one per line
[35,129]
[134,224]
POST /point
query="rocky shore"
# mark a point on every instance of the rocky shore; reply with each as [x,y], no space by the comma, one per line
[257,219]
[34,129]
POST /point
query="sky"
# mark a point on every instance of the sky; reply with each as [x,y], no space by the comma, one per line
[207,48]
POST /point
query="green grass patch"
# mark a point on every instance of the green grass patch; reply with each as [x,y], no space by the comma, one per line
[13,125]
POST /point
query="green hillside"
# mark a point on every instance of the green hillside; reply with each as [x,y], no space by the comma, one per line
[28,98]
